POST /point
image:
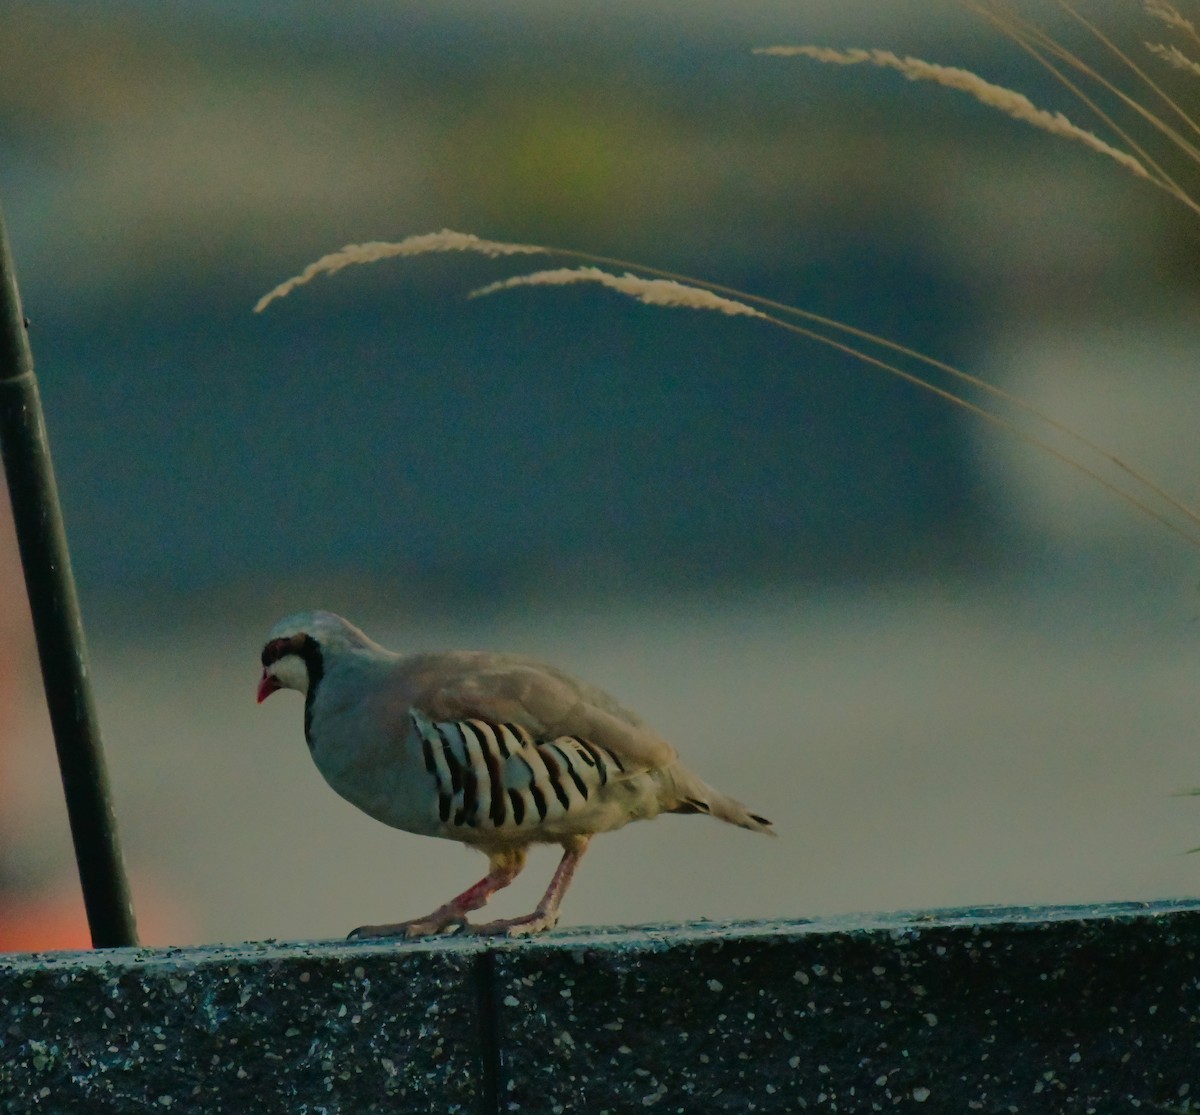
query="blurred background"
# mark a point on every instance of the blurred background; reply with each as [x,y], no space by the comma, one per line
[952,670]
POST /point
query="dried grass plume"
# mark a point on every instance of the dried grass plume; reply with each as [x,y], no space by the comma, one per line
[375,250]
[1173,56]
[654,292]
[1015,104]
[1170,15]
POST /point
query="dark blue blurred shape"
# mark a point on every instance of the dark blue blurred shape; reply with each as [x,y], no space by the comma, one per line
[372,425]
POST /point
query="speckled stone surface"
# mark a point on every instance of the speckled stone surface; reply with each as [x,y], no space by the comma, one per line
[257,1028]
[1043,1010]
[1026,1010]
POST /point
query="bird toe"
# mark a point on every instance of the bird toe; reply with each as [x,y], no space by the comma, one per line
[514,927]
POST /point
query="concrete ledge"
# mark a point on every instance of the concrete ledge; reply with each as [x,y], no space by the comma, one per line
[1027,1010]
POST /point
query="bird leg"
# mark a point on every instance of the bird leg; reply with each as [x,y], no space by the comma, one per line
[503,866]
[546,914]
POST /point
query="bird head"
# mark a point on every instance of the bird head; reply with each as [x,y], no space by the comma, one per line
[296,650]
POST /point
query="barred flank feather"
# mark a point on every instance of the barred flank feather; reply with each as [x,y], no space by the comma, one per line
[495,776]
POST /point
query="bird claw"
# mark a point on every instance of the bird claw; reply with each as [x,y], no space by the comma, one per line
[440,921]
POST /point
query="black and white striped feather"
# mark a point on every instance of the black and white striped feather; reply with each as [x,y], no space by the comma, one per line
[496,778]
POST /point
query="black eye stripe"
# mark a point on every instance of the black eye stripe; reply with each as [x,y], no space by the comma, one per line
[302,645]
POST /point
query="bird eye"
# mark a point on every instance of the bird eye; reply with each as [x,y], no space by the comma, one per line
[277,648]
[274,650]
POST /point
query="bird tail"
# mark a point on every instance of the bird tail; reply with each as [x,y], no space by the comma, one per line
[694,796]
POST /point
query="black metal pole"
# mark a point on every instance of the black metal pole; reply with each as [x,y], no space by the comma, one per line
[58,626]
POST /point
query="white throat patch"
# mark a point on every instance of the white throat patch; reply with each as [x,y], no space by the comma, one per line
[291,672]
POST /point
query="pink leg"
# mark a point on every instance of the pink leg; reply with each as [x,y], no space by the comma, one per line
[546,914]
[504,867]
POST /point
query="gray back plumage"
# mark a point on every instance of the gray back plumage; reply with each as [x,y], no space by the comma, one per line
[546,702]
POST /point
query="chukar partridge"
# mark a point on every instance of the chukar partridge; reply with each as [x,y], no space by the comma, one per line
[496,751]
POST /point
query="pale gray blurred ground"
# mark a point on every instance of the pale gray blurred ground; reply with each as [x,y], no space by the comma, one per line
[923,746]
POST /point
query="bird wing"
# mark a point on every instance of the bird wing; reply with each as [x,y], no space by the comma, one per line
[546,702]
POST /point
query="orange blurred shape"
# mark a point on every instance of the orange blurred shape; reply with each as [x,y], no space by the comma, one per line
[53,919]
[38,922]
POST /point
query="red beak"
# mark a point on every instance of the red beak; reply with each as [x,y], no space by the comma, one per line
[266,686]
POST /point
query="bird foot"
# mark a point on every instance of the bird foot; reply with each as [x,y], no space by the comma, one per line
[526,926]
[440,921]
